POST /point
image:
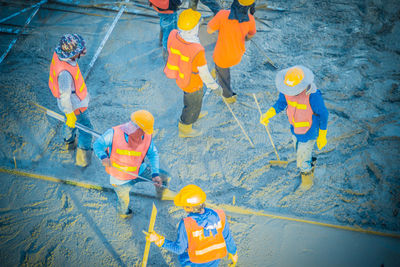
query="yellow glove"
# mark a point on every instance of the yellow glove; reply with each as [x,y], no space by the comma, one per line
[234,259]
[264,119]
[71,119]
[156,238]
[321,140]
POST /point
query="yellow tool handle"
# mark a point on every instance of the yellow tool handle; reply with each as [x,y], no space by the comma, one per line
[240,125]
[151,228]
[266,128]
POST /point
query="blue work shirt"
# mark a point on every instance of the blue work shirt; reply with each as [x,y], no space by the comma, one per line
[180,246]
[319,118]
[105,141]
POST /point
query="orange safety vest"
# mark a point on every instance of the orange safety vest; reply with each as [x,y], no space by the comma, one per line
[161,6]
[180,58]
[127,156]
[58,66]
[203,249]
[299,112]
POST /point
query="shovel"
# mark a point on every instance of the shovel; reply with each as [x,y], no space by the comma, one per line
[278,162]
[166,193]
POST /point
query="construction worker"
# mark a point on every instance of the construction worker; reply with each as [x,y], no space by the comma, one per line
[187,64]
[235,26]
[204,237]
[307,114]
[122,150]
[167,11]
[213,5]
[67,85]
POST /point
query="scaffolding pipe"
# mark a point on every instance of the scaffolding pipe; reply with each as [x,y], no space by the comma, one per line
[121,10]
[20,32]
[23,10]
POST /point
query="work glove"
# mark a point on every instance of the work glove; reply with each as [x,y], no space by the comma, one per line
[106,162]
[321,140]
[234,259]
[71,119]
[264,119]
[157,181]
[156,238]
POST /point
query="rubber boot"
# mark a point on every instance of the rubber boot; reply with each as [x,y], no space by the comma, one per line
[185,130]
[202,115]
[68,146]
[83,157]
[230,100]
[126,215]
[307,180]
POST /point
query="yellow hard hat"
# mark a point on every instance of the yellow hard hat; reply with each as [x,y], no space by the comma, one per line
[144,120]
[188,19]
[294,76]
[190,196]
[246,2]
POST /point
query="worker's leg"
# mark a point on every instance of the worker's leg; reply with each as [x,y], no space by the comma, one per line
[85,139]
[193,4]
[212,5]
[84,151]
[122,192]
[168,22]
[304,154]
[224,79]
[191,106]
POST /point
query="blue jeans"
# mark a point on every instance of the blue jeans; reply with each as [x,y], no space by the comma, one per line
[84,139]
[168,22]
[304,154]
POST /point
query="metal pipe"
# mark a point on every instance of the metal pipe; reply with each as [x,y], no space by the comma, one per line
[19,33]
[121,10]
[23,10]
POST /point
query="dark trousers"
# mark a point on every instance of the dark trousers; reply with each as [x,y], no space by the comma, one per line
[224,79]
[211,4]
[191,106]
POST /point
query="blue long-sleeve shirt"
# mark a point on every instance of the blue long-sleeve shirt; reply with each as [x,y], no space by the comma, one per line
[105,141]
[319,118]
[209,217]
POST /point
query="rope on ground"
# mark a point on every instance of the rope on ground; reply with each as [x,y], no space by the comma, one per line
[228,208]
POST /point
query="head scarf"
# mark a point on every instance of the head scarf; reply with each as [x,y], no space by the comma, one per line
[70,45]
[239,12]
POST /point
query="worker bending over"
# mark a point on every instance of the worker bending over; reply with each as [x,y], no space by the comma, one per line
[307,114]
[122,150]
[204,237]
[187,64]
[68,86]
[234,26]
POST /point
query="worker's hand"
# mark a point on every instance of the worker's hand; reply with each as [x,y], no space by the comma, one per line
[321,140]
[106,162]
[234,258]
[71,119]
[213,73]
[213,86]
[264,119]
[156,238]
[157,181]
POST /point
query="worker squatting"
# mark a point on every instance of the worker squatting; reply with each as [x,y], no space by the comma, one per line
[204,237]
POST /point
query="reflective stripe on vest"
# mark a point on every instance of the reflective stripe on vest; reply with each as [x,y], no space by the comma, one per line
[180,59]
[58,66]
[127,156]
[299,112]
[203,249]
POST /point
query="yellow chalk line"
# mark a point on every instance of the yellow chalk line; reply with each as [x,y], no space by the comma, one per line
[228,208]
